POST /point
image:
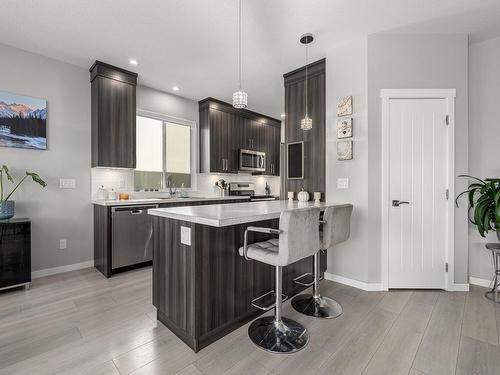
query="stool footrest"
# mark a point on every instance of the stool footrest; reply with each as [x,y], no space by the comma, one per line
[267,297]
[307,279]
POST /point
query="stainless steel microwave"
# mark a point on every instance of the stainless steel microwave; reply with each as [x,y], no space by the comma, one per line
[252,161]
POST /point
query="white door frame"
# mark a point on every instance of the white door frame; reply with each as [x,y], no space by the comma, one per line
[449,95]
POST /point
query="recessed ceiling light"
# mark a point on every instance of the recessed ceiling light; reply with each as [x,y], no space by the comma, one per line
[283,115]
[176,88]
[133,62]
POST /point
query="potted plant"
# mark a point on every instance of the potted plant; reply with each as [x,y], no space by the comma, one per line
[7,207]
[484,204]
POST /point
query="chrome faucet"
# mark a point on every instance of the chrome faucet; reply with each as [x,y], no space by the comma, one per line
[170,184]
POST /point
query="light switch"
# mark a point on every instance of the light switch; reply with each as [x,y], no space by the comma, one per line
[342,183]
[186,236]
[67,183]
[63,244]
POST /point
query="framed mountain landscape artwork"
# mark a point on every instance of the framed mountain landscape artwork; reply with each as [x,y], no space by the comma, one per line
[23,121]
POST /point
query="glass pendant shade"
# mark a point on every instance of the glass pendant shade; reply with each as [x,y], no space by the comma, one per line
[240,99]
[306,123]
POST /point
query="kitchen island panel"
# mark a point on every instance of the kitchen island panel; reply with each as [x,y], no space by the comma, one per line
[175,299]
[204,291]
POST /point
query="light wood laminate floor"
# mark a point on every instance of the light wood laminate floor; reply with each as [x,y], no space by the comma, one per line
[81,323]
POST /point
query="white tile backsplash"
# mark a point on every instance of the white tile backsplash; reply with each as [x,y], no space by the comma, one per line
[122,180]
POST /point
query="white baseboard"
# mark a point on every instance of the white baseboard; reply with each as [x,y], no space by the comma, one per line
[56,270]
[458,288]
[354,283]
[370,287]
[480,282]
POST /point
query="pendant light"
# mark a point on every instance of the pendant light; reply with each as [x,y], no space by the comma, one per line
[306,122]
[240,97]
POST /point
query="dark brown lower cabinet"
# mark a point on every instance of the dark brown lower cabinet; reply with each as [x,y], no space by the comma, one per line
[203,291]
[15,253]
[103,234]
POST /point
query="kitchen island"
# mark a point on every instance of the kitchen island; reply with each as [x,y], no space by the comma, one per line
[202,287]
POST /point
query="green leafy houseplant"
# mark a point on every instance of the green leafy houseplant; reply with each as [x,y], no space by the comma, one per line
[484,204]
[7,205]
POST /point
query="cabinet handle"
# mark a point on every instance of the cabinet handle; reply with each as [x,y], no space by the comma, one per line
[222,160]
[226,164]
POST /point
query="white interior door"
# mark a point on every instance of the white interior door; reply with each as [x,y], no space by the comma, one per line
[418,179]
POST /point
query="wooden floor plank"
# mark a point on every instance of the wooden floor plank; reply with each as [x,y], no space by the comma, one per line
[479,317]
[353,357]
[478,358]
[397,352]
[395,300]
[438,350]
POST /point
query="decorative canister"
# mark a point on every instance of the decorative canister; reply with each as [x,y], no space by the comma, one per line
[303,196]
[290,195]
[7,210]
[102,193]
[317,196]
[112,195]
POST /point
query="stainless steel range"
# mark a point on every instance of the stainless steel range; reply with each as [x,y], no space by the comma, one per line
[247,189]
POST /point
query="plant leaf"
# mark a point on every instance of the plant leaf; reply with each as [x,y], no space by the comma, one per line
[474,178]
[36,178]
[5,169]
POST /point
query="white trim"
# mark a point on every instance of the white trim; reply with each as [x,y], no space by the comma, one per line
[354,283]
[194,140]
[458,288]
[449,95]
[481,282]
[55,270]
[418,93]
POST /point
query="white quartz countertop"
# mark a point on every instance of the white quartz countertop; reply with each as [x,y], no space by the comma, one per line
[162,200]
[222,215]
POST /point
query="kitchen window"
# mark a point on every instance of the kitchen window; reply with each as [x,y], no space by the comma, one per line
[164,147]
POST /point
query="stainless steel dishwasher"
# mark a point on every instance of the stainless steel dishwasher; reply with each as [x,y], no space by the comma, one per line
[132,232]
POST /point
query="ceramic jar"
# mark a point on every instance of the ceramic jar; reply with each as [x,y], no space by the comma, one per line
[303,196]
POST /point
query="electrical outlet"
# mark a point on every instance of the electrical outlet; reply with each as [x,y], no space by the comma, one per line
[342,183]
[62,244]
[186,236]
[67,183]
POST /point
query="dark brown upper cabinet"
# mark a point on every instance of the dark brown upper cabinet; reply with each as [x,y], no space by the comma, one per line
[314,140]
[225,130]
[113,108]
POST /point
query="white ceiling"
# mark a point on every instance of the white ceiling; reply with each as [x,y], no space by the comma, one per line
[192,43]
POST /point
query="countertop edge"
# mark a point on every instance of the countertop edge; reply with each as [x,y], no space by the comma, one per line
[163,200]
[213,222]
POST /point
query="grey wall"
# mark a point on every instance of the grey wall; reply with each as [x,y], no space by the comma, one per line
[484,137]
[56,213]
[346,68]
[417,61]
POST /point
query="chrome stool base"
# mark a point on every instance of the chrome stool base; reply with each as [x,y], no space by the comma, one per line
[491,296]
[285,336]
[318,307]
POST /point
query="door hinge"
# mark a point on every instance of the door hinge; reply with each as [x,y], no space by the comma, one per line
[447,194]
[447,119]
[446,267]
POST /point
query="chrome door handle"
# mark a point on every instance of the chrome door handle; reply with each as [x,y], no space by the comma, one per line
[396,203]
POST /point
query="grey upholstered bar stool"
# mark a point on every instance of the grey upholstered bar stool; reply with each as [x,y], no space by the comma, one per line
[298,239]
[336,229]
